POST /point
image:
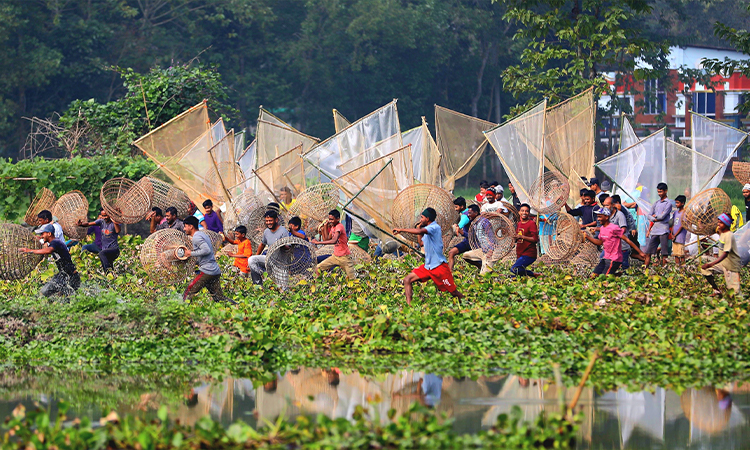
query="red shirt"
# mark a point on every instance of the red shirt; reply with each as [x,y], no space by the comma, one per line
[341,247]
[479,198]
[526,248]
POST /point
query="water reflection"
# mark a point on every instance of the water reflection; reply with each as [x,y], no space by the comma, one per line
[697,418]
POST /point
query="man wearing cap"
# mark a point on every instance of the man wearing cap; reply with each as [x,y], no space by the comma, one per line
[610,236]
[594,186]
[746,195]
[209,272]
[491,204]
[435,265]
[728,261]
[66,281]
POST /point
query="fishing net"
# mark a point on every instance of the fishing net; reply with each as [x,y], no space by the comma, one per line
[460,141]
[290,260]
[275,137]
[359,256]
[560,236]
[549,193]
[587,256]
[680,178]
[248,160]
[13,264]
[512,212]
[163,257]
[257,222]
[284,171]
[716,141]
[69,209]
[163,195]
[518,144]
[409,204]
[702,211]
[339,121]
[124,200]
[361,135]
[425,157]
[638,169]
[628,138]
[741,171]
[239,144]
[216,239]
[313,204]
[569,137]
[239,211]
[45,199]
[223,176]
[169,139]
[494,234]
[218,131]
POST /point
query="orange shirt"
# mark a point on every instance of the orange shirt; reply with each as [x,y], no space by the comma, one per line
[243,248]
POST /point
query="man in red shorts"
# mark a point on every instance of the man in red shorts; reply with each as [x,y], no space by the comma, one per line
[435,265]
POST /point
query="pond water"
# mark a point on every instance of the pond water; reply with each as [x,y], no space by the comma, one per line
[710,417]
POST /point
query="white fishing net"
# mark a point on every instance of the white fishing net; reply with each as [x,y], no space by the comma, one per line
[628,138]
[518,144]
[716,141]
[339,121]
[425,156]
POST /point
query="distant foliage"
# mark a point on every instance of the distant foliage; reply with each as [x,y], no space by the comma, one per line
[60,176]
[165,92]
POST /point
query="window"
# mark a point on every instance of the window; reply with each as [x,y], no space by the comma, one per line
[654,98]
[704,103]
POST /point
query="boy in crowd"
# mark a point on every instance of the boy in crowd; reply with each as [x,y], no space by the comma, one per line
[609,238]
[336,234]
[96,246]
[66,281]
[463,246]
[678,234]
[435,266]
[244,250]
[273,232]
[491,204]
[209,272]
[595,186]
[728,261]
[631,231]
[586,210]
[171,221]
[155,217]
[110,250]
[213,219]
[514,200]
[658,233]
[193,211]
[295,228]
[459,205]
[527,235]
[286,197]
[483,185]
[45,217]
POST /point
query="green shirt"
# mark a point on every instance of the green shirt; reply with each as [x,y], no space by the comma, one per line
[362,242]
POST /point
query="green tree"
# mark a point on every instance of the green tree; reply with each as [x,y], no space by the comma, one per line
[739,39]
[164,93]
[571,43]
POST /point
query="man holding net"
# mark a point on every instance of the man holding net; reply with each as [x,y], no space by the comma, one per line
[335,233]
[435,265]
[66,281]
[209,272]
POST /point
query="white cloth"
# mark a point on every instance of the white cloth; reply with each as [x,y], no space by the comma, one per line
[494,207]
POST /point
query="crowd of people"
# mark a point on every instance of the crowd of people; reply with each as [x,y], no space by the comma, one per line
[609,222]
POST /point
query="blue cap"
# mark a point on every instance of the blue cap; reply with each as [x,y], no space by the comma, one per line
[726,220]
[603,211]
[48,228]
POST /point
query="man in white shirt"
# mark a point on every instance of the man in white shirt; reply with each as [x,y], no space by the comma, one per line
[491,204]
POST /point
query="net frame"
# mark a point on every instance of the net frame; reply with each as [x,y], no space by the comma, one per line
[715,140]
[44,199]
[549,193]
[410,202]
[69,209]
[13,264]
[124,200]
[159,257]
[164,195]
[291,260]
[313,205]
[741,171]
[339,121]
[703,210]
[494,234]
[238,212]
[216,239]
[560,236]
[512,211]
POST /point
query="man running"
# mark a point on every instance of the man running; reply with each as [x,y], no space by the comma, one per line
[209,275]
[66,281]
[110,230]
[435,265]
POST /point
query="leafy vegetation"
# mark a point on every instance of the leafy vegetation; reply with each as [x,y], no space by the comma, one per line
[659,327]
[21,181]
[417,428]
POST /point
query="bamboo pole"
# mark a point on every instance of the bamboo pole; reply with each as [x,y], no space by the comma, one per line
[368,183]
[579,390]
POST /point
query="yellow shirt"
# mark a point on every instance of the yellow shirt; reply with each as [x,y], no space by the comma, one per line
[732,262]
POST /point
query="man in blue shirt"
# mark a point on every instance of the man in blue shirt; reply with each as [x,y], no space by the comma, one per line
[463,230]
[435,265]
